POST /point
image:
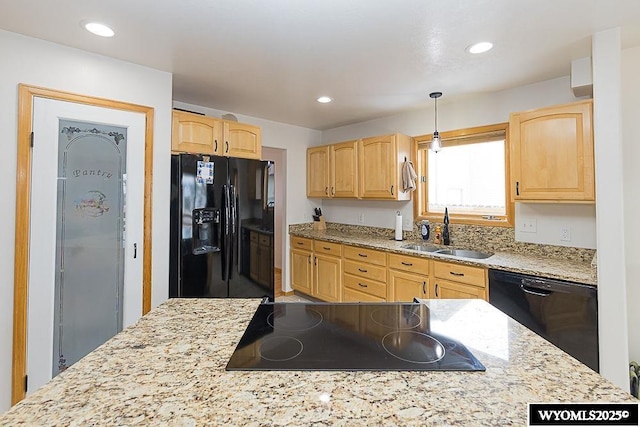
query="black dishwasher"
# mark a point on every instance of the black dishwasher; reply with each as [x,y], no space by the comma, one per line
[564,313]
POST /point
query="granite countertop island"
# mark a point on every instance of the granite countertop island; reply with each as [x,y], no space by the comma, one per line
[559,267]
[169,369]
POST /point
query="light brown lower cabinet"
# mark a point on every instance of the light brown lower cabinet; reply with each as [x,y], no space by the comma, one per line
[406,286]
[451,280]
[301,264]
[408,278]
[327,274]
[365,275]
[444,289]
[333,272]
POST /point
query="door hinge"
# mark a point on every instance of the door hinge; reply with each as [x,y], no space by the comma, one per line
[31,139]
[26,383]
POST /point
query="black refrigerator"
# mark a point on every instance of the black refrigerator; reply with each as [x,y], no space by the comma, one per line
[218,206]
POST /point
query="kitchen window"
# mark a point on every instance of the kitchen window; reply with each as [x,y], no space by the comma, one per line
[469,176]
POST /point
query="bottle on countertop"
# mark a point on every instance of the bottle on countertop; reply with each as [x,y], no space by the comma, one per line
[445,230]
[437,238]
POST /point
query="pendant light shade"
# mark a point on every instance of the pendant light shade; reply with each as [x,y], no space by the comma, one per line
[436,144]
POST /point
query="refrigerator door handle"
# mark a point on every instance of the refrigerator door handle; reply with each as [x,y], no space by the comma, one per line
[226,250]
[232,231]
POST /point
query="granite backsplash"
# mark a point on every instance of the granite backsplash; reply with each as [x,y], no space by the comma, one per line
[495,239]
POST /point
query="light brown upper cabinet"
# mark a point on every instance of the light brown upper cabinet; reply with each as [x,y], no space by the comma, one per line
[344,169]
[552,154]
[242,140]
[318,171]
[195,133]
[332,170]
[380,166]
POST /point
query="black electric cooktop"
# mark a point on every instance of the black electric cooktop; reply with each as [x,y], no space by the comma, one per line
[345,336]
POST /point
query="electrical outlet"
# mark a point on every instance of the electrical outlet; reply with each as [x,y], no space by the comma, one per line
[529,225]
[361,218]
[565,234]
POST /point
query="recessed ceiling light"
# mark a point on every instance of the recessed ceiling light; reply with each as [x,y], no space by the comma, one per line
[99,29]
[480,47]
[324,99]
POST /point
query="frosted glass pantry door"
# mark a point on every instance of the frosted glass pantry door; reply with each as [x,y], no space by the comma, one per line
[85,277]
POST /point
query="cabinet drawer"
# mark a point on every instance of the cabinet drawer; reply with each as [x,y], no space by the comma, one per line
[265,239]
[367,271]
[460,273]
[349,295]
[409,263]
[377,289]
[300,243]
[365,255]
[328,248]
[253,236]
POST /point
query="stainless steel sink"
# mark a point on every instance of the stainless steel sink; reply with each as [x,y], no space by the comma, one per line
[464,253]
[421,247]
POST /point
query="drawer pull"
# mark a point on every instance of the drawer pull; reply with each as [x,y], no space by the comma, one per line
[362,271]
[409,264]
[456,274]
[362,255]
[362,284]
[326,248]
[301,243]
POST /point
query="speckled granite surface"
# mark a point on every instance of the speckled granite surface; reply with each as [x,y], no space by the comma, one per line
[168,369]
[573,264]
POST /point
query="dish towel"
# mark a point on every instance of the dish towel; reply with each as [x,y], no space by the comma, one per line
[408,176]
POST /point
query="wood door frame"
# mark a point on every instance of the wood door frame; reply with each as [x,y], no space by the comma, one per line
[26,95]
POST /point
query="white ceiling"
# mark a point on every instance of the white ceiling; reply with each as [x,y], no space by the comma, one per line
[273,58]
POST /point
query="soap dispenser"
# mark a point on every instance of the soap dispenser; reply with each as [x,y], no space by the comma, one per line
[445,229]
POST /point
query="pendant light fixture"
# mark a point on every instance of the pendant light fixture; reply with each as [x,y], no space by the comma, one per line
[436,144]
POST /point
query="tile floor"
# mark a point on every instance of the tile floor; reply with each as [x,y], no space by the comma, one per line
[291,298]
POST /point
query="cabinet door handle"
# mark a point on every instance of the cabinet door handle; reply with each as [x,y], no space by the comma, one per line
[392,190]
[326,190]
[135,250]
[436,290]
[363,255]
[517,188]
[424,287]
[362,284]
[362,271]
[227,144]
[333,191]
[453,273]
[216,147]
[309,259]
[408,264]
